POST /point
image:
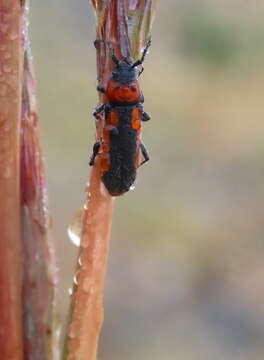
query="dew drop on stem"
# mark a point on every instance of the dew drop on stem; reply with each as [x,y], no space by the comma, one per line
[75,228]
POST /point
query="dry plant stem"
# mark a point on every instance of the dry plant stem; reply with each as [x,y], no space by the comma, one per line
[40,272]
[87,311]
[10,241]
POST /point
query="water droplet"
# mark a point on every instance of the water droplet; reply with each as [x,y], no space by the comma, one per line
[75,228]
[87,282]
[87,186]
[75,280]
[70,291]
[13,35]
[7,68]
[80,261]
[132,187]
[76,277]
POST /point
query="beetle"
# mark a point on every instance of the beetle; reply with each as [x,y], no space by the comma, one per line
[121,149]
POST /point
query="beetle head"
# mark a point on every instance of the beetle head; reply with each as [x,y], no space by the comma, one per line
[124,73]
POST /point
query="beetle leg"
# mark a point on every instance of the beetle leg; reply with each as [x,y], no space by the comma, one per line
[145,116]
[141,100]
[98,110]
[96,148]
[144,153]
[141,71]
[100,89]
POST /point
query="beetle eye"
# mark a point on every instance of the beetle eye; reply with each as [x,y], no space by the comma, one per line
[117,88]
[133,88]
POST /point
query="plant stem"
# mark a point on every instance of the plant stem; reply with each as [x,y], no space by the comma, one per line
[127,39]
[10,240]
[87,311]
[40,331]
[40,272]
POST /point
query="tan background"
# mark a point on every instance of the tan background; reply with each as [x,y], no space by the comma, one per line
[186,270]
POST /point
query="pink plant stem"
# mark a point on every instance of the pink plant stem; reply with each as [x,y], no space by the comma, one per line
[87,310]
[10,241]
[40,272]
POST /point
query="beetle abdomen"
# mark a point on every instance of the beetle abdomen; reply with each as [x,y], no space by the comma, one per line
[122,170]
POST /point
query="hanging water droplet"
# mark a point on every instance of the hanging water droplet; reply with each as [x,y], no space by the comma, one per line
[70,291]
[82,259]
[75,228]
[75,281]
[80,262]
[76,278]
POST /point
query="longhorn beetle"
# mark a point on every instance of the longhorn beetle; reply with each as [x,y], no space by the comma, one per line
[120,149]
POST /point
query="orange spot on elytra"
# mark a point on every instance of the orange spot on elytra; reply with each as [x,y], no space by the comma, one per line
[113,117]
[106,134]
[105,162]
[136,119]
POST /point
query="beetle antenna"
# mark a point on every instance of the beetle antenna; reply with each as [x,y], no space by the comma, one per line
[139,62]
[114,58]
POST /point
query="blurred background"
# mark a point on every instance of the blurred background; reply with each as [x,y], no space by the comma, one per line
[186,270]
